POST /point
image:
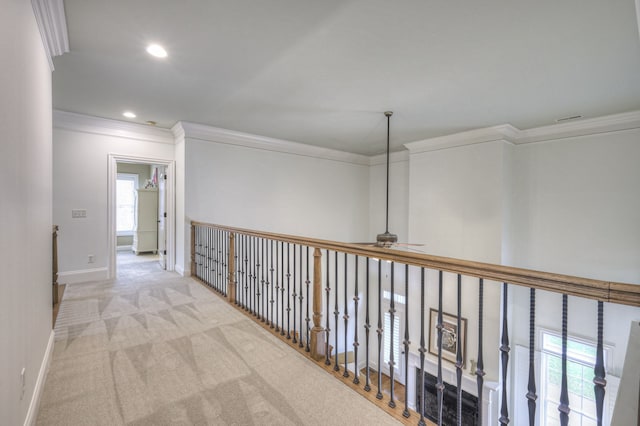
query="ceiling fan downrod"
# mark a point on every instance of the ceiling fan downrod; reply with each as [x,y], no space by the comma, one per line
[387,238]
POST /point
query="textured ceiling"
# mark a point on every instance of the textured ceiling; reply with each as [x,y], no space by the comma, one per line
[323,72]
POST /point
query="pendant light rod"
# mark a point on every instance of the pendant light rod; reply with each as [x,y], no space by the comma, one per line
[388,114]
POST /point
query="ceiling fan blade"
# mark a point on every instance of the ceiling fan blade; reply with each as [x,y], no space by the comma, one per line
[409,244]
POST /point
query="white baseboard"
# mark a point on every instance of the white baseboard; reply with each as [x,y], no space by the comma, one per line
[124,248]
[83,275]
[180,270]
[32,414]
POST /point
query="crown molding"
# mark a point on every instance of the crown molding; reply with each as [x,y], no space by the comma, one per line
[107,127]
[504,132]
[590,126]
[513,135]
[394,157]
[52,24]
[232,137]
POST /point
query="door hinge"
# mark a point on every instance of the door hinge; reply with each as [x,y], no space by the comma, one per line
[165,214]
[165,253]
[165,176]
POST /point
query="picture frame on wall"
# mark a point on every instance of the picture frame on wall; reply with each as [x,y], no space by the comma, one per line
[451,336]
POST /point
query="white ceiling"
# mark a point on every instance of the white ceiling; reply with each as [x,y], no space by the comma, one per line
[322,72]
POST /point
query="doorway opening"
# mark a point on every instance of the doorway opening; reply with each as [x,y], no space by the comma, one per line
[141,212]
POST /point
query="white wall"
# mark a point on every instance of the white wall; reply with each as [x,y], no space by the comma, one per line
[274,191]
[80,169]
[25,217]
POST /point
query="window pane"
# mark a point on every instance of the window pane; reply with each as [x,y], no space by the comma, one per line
[125,205]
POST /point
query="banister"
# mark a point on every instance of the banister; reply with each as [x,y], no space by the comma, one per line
[606,291]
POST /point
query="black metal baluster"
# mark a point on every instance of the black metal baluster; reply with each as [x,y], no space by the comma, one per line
[236,256]
[392,316]
[346,318]
[440,384]
[282,288]
[225,259]
[356,299]
[422,349]
[480,366]
[599,380]
[563,408]
[379,330]
[336,313]
[288,291]
[308,319]
[459,355]
[263,318]
[406,341]
[531,386]
[327,289]
[216,262]
[504,351]
[293,295]
[367,326]
[300,298]
[277,288]
[271,270]
[256,278]
[247,274]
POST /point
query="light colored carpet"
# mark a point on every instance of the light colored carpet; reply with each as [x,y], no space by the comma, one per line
[153,348]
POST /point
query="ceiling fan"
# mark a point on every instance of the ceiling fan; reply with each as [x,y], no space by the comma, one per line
[387,239]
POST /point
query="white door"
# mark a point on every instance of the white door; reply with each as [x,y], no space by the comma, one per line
[162,216]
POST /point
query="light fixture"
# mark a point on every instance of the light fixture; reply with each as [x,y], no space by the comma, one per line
[129,114]
[157,51]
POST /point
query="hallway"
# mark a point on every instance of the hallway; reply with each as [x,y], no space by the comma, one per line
[155,348]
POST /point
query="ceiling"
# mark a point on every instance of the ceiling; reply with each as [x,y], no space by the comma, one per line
[323,72]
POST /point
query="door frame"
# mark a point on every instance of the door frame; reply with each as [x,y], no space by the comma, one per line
[112,176]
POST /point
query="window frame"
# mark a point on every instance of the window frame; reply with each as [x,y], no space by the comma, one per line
[135,179]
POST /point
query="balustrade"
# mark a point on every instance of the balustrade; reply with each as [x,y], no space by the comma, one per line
[268,276]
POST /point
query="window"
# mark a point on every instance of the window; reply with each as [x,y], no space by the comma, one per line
[397,319]
[581,358]
[126,186]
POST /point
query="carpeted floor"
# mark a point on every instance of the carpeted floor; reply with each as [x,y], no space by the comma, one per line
[153,348]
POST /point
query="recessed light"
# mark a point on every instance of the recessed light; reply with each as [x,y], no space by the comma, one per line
[129,114]
[151,123]
[157,51]
[573,117]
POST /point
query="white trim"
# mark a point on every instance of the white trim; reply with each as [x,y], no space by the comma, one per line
[232,137]
[112,173]
[52,24]
[179,270]
[105,126]
[394,157]
[34,405]
[83,275]
[508,133]
[124,248]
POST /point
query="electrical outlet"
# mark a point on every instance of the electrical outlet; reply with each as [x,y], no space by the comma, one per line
[91,258]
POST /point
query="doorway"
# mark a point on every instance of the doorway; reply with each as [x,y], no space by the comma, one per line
[141,207]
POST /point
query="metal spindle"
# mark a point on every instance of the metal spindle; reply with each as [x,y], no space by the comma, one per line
[459,354]
[531,386]
[262,282]
[367,326]
[247,273]
[327,289]
[256,278]
[504,350]
[282,288]
[440,384]
[563,408]
[480,366]
[422,349]
[599,380]
[288,291]
[301,297]
[336,313]
[406,341]
[392,313]
[356,299]
[379,330]
[308,319]
[346,318]
[272,283]
[293,295]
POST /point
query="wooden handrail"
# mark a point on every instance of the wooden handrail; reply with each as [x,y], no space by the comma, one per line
[606,291]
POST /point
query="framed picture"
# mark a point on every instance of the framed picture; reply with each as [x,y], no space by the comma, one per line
[451,336]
